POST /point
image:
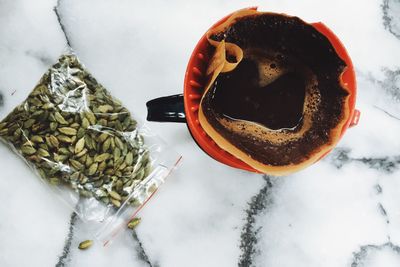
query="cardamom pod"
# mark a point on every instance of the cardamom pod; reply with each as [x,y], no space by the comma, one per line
[85,123]
[106,144]
[48,106]
[76,164]
[114,195]
[115,202]
[102,166]
[103,137]
[134,222]
[89,161]
[79,145]
[116,154]
[85,244]
[64,138]
[92,169]
[28,150]
[105,108]
[54,141]
[90,116]
[81,133]
[43,153]
[101,157]
[118,143]
[3,125]
[53,126]
[37,139]
[29,123]
[54,181]
[82,154]
[129,158]
[3,132]
[60,119]
[67,131]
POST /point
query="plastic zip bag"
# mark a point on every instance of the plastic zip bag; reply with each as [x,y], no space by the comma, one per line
[85,145]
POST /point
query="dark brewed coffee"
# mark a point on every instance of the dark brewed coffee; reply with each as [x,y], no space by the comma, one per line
[284,101]
[238,95]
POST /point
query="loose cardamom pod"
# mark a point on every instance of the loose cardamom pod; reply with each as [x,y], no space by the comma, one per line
[85,244]
[134,222]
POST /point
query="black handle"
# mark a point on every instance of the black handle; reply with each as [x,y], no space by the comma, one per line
[166,109]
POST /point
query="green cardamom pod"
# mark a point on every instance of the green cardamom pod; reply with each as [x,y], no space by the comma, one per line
[105,108]
[29,123]
[3,125]
[82,154]
[28,150]
[54,141]
[85,123]
[79,145]
[43,153]
[134,222]
[101,157]
[115,202]
[114,195]
[129,158]
[106,144]
[53,126]
[103,137]
[37,139]
[60,119]
[119,143]
[85,244]
[67,131]
[92,169]
[102,166]
[64,138]
[92,119]
[76,164]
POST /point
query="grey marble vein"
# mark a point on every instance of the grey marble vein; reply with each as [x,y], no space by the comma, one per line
[378,189]
[383,212]
[340,157]
[391,18]
[248,238]
[67,247]
[381,209]
[56,10]
[360,256]
[141,252]
[43,58]
[391,82]
[1,99]
[387,113]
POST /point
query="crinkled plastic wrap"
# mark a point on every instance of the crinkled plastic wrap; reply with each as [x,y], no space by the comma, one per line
[86,146]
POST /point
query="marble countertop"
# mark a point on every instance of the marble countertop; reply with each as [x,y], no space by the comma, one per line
[342,211]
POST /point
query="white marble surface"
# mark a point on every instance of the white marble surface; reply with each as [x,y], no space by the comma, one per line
[343,211]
